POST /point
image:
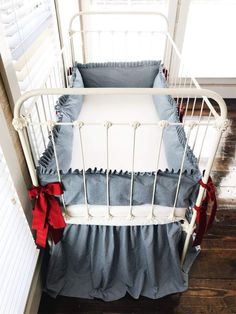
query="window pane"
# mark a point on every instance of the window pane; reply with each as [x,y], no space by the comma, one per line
[209,46]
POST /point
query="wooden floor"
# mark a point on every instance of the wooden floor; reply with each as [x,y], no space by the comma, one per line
[212,284]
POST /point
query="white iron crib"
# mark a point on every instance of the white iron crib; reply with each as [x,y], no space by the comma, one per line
[34,115]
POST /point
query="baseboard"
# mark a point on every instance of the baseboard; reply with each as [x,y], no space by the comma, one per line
[226,91]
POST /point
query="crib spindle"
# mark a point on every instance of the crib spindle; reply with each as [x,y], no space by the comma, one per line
[135,125]
[182,98]
[204,136]
[34,138]
[179,81]
[193,107]
[51,97]
[198,125]
[44,110]
[48,102]
[188,99]
[40,125]
[107,126]
[175,70]
[190,125]
[162,124]
[126,33]
[80,124]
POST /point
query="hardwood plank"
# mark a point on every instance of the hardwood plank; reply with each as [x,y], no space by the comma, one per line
[222,231]
[226,218]
[214,296]
[124,305]
[212,243]
[220,264]
[221,287]
[202,299]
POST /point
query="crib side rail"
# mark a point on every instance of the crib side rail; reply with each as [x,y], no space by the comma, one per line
[20,121]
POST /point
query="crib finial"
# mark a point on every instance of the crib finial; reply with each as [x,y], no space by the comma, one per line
[20,123]
[87,215]
[108,215]
[108,124]
[50,124]
[78,124]
[136,124]
[151,217]
[130,216]
[163,123]
[221,124]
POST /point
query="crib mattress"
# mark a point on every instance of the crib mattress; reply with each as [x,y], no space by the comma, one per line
[119,109]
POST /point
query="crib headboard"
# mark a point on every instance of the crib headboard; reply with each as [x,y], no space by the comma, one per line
[108,39]
[105,29]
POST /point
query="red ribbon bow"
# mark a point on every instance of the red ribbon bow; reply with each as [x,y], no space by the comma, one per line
[201,219]
[47,215]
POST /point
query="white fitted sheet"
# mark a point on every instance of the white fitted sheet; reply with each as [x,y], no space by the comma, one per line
[118,108]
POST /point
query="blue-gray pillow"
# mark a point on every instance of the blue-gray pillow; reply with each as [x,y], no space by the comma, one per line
[119,74]
[68,108]
[174,137]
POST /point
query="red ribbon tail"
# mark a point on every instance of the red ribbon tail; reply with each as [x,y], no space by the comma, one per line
[57,234]
[201,219]
[202,226]
[55,217]
[213,215]
[41,237]
[198,210]
[47,213]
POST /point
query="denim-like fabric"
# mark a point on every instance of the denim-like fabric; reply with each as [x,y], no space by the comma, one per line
[119,74]
[68,108]
[174,137]
[119,186]
[106,262]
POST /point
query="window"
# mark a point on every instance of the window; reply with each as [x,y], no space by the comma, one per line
[31,39]
[29,32]
[209,45]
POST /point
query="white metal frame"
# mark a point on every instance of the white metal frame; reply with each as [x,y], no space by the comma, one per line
[178,89]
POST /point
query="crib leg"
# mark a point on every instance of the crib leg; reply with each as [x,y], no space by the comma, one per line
[188,236]
[220,125]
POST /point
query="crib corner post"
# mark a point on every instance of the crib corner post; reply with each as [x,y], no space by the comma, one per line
[188,236]
[221,126]
[20,123]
